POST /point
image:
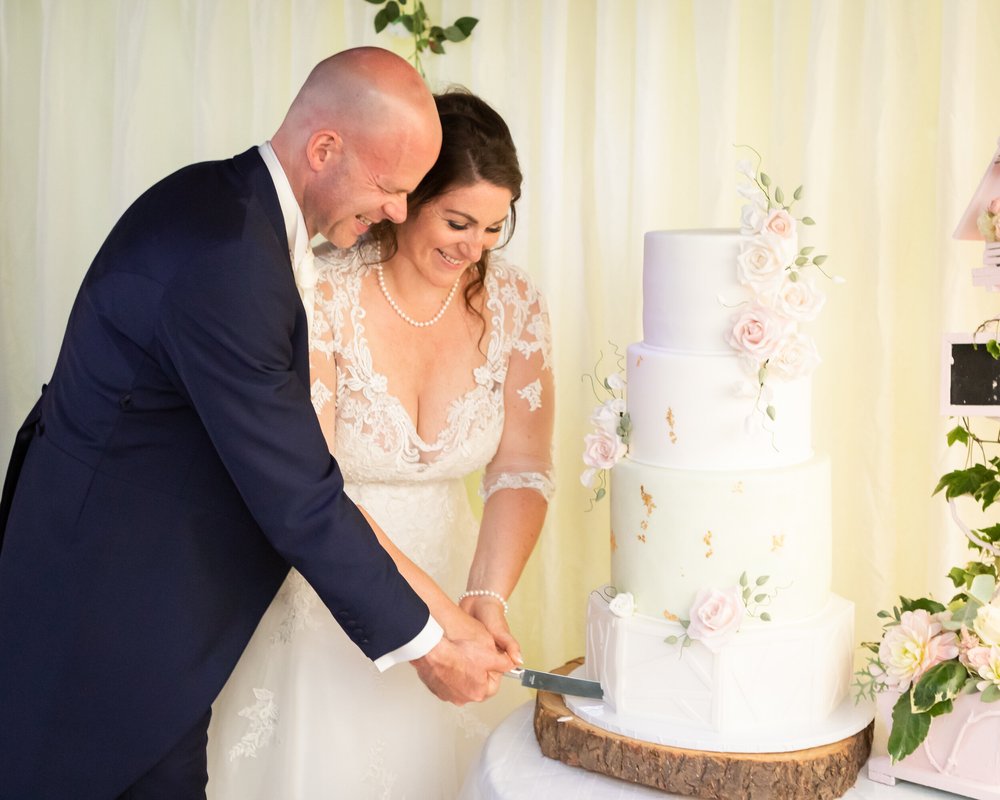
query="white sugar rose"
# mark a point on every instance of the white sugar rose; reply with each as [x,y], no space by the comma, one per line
[781,231]
[799,300]
[616,381]
[587,477]
[744,167]
[622,605]
[607,416]
[716,616]
[758,266]
[756,331]
[913,646]
[602,449]
[795,356]
[987,623]
[752,219]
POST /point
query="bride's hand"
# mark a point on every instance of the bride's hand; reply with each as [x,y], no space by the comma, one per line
[490,613]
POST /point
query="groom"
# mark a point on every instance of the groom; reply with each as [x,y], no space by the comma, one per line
[174,468]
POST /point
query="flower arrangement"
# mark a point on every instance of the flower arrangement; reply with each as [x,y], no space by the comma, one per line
[609,441]
[989,221]
[716,615]
[930,652]
[771,265]
[426,36]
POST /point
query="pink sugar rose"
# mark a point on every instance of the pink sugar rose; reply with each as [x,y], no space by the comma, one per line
[602,449]
[756,331]
[780,230]
[799,300]
[795,356]
[994,206]
[759,266]
[913,646]
[716,616]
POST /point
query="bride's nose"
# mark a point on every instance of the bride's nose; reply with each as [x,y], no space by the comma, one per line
[472,247]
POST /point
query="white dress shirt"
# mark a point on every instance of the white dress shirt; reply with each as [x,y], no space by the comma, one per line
[301,257]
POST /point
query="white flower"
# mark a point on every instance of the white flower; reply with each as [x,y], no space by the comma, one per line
[987,623]
[744,167]
[716,616]
[759,266]
[795,356]
[602,449]
[757,330]
[913,646]
[607,416]
[990,670]
[587,477]
[752,219]
[623,605]
[616,381]
[799,300]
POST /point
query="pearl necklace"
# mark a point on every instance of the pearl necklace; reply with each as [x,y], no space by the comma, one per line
[406,317]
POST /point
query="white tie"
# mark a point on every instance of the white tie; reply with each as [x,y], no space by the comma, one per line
[305,279]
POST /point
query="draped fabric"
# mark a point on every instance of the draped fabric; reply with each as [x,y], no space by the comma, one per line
[625,114]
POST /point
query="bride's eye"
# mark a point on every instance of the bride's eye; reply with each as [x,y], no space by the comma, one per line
[497,229]
[457,226]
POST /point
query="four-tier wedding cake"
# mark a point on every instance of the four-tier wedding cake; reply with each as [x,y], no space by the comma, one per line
[719,631]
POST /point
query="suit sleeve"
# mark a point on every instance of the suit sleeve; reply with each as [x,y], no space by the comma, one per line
[226,328]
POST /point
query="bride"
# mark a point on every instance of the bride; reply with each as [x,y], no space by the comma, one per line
[430,360]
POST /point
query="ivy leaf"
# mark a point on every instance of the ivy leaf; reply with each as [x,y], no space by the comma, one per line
[763,579]
[759,598]
[958,434]
[806,250]
[941,683]
[993,349]
[801,261]
[779,195]
[466,24]
[808,221]
[392,10]
[957,575]
[964,481]
[798,194]
[743,580]
[381,20]
[990,534]
[820,260]
[991,693]
[407,20]
[909,729]
[987,493]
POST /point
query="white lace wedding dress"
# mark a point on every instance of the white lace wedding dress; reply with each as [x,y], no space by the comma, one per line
[305,716]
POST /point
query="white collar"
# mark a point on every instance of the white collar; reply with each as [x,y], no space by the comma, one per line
[295,223]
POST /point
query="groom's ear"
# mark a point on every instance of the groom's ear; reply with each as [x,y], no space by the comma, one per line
[324,149]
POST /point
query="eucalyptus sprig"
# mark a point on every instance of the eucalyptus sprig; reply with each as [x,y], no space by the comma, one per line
[426,36]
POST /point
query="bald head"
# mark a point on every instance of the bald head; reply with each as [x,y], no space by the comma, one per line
[361,115]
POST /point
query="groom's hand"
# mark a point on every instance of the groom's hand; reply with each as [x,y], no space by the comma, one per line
[463,671]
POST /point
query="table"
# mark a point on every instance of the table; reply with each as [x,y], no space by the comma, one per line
[511,767]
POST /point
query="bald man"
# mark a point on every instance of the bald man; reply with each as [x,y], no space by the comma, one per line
[174,468]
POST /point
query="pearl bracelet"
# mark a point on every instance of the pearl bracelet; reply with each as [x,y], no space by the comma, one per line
[486,593]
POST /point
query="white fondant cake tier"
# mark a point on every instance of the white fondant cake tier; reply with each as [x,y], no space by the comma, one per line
[697,412]
[770,680]
[684,275]
[674,532]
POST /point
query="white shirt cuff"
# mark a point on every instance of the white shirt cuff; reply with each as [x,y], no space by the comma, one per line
[418,647]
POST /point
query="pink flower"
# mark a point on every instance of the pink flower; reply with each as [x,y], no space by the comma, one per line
[799,300]
[971,651]
[780,230]
[716,616]
[757,331]
[602,449]
[913,646]
[994,206]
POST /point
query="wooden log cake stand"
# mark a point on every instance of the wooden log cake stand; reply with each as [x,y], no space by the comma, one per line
[818,773]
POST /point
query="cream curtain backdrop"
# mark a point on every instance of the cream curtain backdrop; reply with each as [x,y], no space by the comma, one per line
[626,115]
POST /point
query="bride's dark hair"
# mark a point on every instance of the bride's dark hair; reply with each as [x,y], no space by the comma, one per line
[475,145]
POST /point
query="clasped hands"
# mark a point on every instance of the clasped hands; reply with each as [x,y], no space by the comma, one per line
[468,663]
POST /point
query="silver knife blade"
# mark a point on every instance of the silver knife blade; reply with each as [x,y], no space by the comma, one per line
[559,684]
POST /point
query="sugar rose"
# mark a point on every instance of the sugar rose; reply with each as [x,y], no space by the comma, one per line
[799,300]
[622,605]
[716,616]
[607,416]
[757,331]
[782,233]
[758,265]
[795,356]
[602,449]
[987,623]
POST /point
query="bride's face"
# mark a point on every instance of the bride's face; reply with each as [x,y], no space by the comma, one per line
[451,231]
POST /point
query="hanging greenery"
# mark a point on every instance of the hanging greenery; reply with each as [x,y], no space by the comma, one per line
[426,36]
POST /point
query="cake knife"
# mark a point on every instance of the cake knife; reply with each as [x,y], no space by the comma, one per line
[558,684]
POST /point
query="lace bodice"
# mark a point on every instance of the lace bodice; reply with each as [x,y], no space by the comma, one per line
[374,438]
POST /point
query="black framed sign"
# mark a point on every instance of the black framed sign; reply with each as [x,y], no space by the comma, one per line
[970,377]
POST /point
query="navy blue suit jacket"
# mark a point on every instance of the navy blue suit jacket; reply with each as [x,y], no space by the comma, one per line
[176,470]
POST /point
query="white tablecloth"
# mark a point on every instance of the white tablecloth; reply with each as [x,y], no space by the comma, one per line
[511,767]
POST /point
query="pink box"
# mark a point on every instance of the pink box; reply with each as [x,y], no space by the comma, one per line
[961,754]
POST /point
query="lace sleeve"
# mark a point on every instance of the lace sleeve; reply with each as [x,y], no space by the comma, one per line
[523,459]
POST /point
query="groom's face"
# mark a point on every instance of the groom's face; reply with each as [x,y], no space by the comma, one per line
[367,184]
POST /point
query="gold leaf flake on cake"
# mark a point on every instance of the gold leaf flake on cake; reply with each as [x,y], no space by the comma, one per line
[647,500]
[738,487]
[614,542]
[707,539]
[644,525]
[777,542]
[638,361]
[671,421]
[641,537]
[668,616]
